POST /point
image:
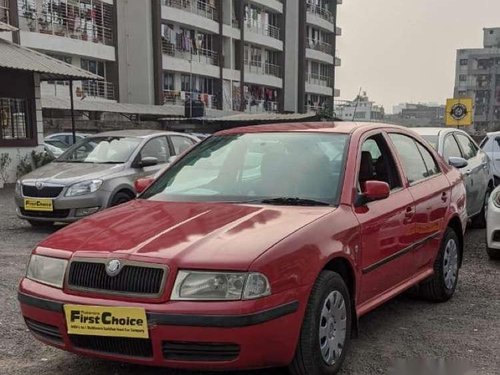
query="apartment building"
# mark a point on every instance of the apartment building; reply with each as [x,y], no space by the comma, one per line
[478,77]
[249,56]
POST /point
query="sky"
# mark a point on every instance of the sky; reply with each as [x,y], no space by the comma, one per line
[405,50]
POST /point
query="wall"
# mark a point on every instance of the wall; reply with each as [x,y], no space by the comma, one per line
[135,51]
[291,56]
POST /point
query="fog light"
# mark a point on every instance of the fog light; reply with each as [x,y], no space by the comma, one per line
[86,211]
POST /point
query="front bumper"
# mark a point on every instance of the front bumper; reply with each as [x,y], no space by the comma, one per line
[493,226]
[248,335]
[65,208]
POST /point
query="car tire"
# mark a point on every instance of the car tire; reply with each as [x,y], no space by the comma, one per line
[327,323]
[120,198]
[41,224]
[493,254]
[479,221]
[441,286]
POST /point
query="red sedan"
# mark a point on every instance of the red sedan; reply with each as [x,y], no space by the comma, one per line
[260,247]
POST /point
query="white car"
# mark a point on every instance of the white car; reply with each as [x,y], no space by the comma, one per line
[493,225]
[491,146]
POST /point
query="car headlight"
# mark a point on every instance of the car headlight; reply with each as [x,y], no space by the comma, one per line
[219,286]
[83,188]
[18,189]
[46,270]
[496,199]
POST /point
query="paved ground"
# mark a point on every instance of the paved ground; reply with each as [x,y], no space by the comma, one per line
[467,328]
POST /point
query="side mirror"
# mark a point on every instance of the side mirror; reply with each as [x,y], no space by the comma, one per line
[148,162]
[142,184]
[374,191]
[458,163]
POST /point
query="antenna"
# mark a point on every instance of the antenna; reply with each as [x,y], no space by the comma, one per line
[357,103]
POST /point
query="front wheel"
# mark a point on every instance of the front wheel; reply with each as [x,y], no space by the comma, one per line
[441,286]
[120,198]
[326,330]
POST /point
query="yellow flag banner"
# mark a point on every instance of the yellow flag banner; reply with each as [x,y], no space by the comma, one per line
[459,112]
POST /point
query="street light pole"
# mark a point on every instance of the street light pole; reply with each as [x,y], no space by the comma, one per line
[191,85]
[72,101]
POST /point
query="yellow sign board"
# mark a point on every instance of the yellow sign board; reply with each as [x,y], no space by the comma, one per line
[106,321]
[459,112]
[44,205]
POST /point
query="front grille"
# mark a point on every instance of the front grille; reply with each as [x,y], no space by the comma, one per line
[188,351]
[114,345]
[147,281]
[56,214]
[45,331]
[45,192]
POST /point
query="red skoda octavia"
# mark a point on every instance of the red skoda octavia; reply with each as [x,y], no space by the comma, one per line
[260,247]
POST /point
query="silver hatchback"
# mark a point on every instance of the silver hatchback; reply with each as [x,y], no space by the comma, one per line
[95,173]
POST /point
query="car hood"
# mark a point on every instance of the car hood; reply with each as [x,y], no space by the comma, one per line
[192,235]
[71,172]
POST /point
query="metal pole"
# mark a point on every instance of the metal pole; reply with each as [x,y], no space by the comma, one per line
[191,85]
[72,100]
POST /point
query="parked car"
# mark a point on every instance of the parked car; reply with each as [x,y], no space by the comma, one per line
[491,146]
[54,147]
[493,226]
[67,137]
[247,254]
[478,176]
[96,173]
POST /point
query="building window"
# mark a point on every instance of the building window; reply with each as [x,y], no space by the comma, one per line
[168,82]
[94,66]
[4,11]
[13,119]
[462,93]
[462,78]
[464,62]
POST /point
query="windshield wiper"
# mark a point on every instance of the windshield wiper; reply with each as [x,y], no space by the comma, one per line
[289,201]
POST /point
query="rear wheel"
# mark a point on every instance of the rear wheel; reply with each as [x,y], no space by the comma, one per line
[40,224]
[479,221]
[326,330]
[441,286]
[120,198]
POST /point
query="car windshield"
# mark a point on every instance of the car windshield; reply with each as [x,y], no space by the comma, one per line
[58,144]
[431,139]
[101,150]
[269,168]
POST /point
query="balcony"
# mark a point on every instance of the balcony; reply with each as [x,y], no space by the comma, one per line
[200,8]
[321,13]
[70,20]
[199,55]
[4,11]
[259,67]
[87,90]
[261,106]
[320,46]
[263,29]
[319,80]
[176,97]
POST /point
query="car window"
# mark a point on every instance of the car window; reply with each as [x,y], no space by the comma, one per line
[430,162]
[413,162]
[468,147]
[377,163]
[451,149]
[432,139]
[156,148]
[101,150]
[181,143]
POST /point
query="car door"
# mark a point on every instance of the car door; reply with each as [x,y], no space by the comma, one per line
[431,192]
[387,226]
[157,148]
[477,171]
[451,148]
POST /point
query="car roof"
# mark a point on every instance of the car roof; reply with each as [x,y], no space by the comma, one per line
[493,134]
[437,131]
[135,133]
[340,127]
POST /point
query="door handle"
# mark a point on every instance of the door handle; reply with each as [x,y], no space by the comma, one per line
[444,197]
[410,212]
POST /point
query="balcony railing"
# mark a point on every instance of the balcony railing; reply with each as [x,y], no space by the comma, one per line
[263,29]
[199,7]
[198,55]
[4,11]
[176,97]
[82,90]
[82,20]
[320,12]
[319,80]
[261,106]
[259,67]
[318,45]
